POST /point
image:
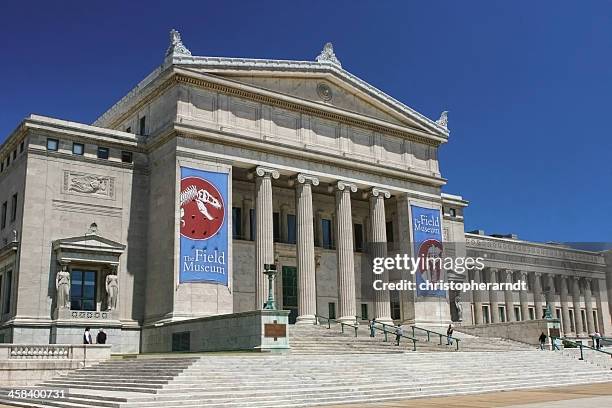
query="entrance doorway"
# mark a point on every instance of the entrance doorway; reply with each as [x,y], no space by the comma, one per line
[290,292]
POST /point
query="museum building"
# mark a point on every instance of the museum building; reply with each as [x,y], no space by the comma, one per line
[169,205]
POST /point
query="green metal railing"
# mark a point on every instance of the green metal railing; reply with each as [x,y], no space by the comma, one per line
[602,340]
[579,344]
[430,332]
[392,331]
[341,323]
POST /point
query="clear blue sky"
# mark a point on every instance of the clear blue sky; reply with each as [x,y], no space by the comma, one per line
[527,84]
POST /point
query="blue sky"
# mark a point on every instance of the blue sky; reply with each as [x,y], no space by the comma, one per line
[527,84]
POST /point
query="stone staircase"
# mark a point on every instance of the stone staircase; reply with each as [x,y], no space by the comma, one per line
[291,380]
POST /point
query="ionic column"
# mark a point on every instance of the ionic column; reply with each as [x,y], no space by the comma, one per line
[523,298]
[576,301]
[382,302]
[565,315]
[307,297]
[508,298]
[478,299]
[549,292]
[588,303]
[537,295]
[344,251]
[264,233]
[493,296]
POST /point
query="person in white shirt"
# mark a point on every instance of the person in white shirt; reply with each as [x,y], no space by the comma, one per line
[87,337]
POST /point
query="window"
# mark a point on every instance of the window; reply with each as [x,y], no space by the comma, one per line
[326,226]
[83,290]
[584,323]
[452,212]
[14,154]
[126,157]
[358,233]
[517,314]
[129,129]
[102,152]
[236,223]
[364,311]
[78,149]
[14,207]
[4,211]
[252,223]
[143,125]
[331,308]
[572,321]
[52,144]
[502,313]
[595,321]
[531,313]
[291,229]
[7,292]
[485,314]
[276,227]
[21,147]
[395,305]
[2,166]
[389,230]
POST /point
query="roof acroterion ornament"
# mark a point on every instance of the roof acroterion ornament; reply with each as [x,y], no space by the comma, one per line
[177,48]
[327,55]
[443,121]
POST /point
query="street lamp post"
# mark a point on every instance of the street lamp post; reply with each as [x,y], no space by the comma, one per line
[270,272]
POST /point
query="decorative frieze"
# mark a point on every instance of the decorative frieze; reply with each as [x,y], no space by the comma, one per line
[89,184]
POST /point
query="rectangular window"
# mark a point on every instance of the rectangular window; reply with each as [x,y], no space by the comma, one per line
[102,152]
[326,227]
[237,222]
[14,207]
[291,229]
[485,314]
[276,227]
[389,230]
[83,290]
[2,166]
[531,313]
[252,223]
[453,212]
[6,307]
[595,321]
[364,311]
[572,321]
[4,212]
[21,147]
[358,232]
[517,314]
[126,157]
[395,305]
[331,308]
[78,149]
[502,313]
[143,125]
[52,144]
[583,317]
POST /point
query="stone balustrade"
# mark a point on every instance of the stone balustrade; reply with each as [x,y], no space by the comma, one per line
[79,352]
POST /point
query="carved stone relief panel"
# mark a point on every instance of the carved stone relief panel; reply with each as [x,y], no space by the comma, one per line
[88,184]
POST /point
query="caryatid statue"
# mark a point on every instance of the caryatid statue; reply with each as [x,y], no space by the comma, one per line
[459,308]
[112,289]
[62,286]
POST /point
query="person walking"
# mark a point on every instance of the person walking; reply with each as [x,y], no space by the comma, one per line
[101,337]
[597,338]
[399,332]
[542,339]
[449,335]
[556,343]
[87,337]
[373,327]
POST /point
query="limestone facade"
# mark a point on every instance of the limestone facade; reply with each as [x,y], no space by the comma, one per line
[327,164]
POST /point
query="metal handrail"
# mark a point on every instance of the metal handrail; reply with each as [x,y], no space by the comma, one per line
[342,324]
[436,333]
[581,346]
[602,338]
[386,332]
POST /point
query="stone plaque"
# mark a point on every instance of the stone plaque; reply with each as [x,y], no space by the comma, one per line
[275,330]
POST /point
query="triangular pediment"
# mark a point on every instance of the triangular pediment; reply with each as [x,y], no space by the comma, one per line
[89,242]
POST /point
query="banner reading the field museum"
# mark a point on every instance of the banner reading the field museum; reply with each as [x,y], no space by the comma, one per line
[427,236]
[204,235]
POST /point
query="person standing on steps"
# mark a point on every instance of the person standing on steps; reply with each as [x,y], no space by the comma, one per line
[87,337]
[449,335]
[399,332]
[101,337]
[556,343]
[542,339]
[373,327]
